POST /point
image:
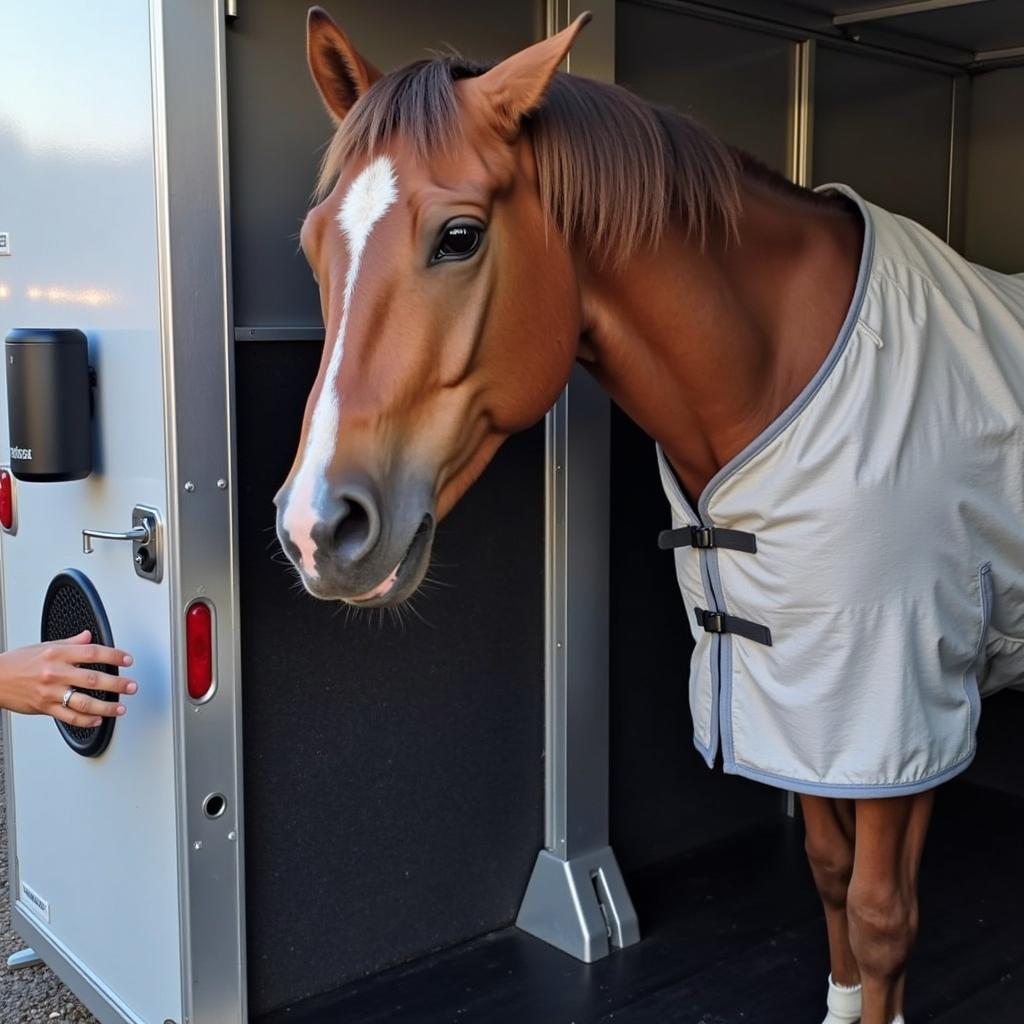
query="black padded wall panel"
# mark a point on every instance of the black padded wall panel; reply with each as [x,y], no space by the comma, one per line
[997,763]
[702,68]
[995,171]
[393,770]
[884,129]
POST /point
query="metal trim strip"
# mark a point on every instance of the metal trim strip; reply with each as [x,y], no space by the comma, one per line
[959,146]
[800,157]
[948,59]
[189,84]
[279,334]
[577,558]
[1009,54]
[897,10]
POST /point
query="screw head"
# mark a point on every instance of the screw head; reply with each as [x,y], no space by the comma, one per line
[197,845]
[189,486]
[222,484]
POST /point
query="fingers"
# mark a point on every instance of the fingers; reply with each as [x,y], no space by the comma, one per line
[91,707]
[91,679]
[76,719]
[79,638]
[78,653]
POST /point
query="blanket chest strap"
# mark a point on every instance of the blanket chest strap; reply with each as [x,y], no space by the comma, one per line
[707,537]
[719,622]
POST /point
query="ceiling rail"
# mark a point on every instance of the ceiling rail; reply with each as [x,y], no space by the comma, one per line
[898,10]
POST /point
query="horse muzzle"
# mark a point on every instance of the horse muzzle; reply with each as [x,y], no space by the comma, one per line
[353,547]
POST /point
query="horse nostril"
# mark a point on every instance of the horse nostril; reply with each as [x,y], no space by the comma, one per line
[357,527]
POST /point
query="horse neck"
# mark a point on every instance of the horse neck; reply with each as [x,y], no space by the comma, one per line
[704,347]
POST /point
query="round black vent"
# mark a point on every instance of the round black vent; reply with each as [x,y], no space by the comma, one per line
[72,605]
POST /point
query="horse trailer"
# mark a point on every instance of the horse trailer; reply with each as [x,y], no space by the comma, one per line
[488,809]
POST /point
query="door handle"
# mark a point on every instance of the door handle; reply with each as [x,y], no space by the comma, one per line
[146,540]
[143,534]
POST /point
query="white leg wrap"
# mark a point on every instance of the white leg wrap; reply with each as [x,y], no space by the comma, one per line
[898,1019]
[844,1004]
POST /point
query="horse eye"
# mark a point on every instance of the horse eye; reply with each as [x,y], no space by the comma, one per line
[458,242]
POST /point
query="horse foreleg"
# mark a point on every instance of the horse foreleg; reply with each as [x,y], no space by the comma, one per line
[882,899]
[830,847]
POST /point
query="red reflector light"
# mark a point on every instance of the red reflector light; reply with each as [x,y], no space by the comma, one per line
[6,500]
[199,649]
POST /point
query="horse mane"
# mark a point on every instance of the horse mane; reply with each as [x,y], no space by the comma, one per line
[612,169]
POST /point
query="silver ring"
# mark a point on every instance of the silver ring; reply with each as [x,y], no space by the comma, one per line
[68,694]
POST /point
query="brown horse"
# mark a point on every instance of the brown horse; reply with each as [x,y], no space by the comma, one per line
[479,230]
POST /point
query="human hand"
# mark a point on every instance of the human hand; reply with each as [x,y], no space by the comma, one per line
[34,680]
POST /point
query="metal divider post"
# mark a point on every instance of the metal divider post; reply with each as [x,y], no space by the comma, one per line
[576,898]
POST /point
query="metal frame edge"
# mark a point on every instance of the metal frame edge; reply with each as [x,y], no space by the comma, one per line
[576,898]
[959,151]
[198,360]
[800,155]
[881,46]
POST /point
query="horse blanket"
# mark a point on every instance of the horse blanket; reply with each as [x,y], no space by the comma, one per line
[854,578]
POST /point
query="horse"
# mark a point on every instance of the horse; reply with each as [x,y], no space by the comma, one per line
[835,397]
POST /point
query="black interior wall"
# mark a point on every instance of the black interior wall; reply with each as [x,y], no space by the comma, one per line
[995,171]
[734,80]
[393,770]
[883,128]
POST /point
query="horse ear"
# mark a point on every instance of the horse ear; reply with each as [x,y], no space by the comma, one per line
[517,85]
[341,74]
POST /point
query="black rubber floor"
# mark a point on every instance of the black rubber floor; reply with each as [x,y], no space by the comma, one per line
[733,933]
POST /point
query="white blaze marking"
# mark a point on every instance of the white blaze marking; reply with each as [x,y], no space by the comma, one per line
[368,198]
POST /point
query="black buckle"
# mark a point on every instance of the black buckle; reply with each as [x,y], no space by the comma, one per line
[705,537]
[713,622]
[720,622]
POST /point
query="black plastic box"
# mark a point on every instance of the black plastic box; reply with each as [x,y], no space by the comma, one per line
[49,404]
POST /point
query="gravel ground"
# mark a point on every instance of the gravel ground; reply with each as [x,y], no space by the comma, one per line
[35,993]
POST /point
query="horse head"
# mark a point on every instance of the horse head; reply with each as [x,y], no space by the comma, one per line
[450,302]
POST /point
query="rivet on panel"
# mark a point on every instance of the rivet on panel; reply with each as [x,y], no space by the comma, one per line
[189,486]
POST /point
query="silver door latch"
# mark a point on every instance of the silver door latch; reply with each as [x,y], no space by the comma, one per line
[147,542]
